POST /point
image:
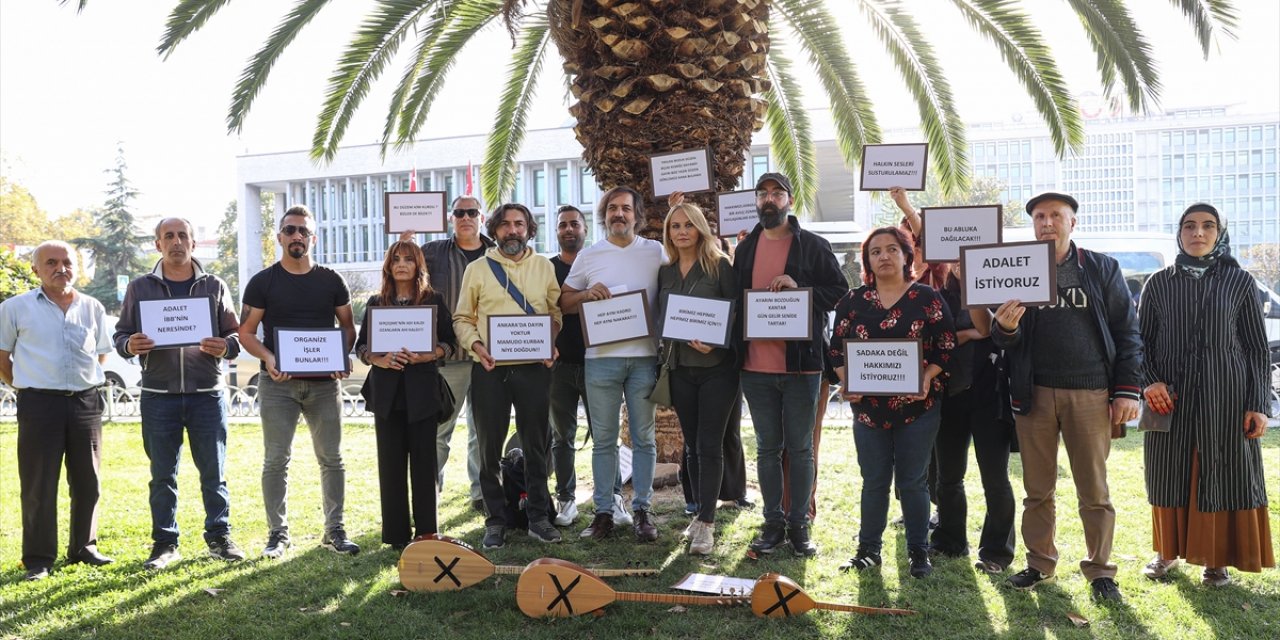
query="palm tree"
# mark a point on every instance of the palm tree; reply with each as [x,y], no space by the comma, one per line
[658,75]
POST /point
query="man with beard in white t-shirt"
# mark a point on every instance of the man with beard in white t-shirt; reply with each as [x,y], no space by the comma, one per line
[624,263]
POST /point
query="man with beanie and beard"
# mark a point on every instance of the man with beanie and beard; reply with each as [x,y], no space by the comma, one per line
[510,280]
[780,378]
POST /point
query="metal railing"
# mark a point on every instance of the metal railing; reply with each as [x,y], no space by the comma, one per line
[242,402]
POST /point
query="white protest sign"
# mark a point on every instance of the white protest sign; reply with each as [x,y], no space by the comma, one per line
[520,337]
[690,318]
[782,315]
[885,166]
[310,352]
[420,211]
[737,212]
[689,171]
[883,367]
[616,319]
[994,274]
[177,322]
[945,229]
[396,328]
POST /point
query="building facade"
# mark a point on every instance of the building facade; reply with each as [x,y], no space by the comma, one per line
[1133,174]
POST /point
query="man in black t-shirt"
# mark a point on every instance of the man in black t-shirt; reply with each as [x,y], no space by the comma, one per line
[183,390]
[296,293]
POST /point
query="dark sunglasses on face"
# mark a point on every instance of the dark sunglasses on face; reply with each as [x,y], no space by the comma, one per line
[466,213]
[290,229]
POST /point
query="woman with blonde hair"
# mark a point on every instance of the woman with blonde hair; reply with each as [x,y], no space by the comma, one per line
[401,391]
[704,379]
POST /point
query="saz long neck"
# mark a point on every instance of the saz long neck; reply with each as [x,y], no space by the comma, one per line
[509,570]
[853,608]
[670,598]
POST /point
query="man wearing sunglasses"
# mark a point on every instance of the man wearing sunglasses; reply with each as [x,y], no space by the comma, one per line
[446,261]
[298,293]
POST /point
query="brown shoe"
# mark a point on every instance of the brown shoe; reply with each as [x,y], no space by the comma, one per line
[644,527]
[601,526]
[1215,577]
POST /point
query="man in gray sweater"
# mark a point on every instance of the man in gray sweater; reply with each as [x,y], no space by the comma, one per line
[1075,373]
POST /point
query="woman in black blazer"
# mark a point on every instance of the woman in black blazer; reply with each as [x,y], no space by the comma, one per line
[402,391]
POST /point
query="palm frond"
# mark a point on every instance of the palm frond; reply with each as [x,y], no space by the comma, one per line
[373,45]
[913,56]
[497,173]
[790,136]
[186,18]
[1023,48]
[1120,49]
[80,8]
[1207,15]
[255,74]
[819,36]
[464,21]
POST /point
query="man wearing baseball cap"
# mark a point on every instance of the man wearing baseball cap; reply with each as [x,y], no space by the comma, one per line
[1075,372]
[780,378]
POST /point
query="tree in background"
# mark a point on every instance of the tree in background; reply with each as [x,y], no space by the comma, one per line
[227,264]
[115,247]
[16,275]
[982,191]
[1264,263]
[22,221]
[657,76]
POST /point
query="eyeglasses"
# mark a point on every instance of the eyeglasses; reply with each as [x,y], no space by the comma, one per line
[466,213]
[778,195]
[290,229]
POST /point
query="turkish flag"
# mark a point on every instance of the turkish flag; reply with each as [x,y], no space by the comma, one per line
[469,185]
[413,178]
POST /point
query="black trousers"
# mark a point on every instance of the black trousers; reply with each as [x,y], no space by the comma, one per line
[703,399]
[733,482]
[966,417]
[527,387]
[49,428]
[406,476]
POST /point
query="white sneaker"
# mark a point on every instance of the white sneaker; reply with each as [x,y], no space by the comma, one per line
[701,538]
[621,517]
[566,512]
[688,531]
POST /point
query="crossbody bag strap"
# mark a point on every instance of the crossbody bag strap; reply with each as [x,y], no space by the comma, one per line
[501,275]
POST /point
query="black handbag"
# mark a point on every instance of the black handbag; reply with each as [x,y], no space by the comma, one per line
[448,404]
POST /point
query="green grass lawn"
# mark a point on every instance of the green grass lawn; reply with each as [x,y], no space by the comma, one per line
[317,594]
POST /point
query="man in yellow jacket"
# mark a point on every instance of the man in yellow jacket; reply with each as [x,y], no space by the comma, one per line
[510,280]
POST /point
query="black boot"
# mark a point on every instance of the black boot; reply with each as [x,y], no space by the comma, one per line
[800,542]
[772,535]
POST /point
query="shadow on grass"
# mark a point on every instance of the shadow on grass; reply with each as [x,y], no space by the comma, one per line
[1237,611]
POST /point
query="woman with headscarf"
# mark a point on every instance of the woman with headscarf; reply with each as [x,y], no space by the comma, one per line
[1207,368]
[402,392]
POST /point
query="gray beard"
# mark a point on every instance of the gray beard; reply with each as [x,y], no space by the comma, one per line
[512,247]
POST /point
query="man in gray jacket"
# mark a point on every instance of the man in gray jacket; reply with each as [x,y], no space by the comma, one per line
[183,387]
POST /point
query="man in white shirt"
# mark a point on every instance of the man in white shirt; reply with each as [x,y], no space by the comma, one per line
[622,370]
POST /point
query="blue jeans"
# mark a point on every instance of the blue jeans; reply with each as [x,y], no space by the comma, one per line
[900,455]
[783,409]
[205,417]
[282,403]
[609,380]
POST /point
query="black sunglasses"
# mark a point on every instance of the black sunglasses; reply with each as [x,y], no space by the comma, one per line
[290,229]
[466,213]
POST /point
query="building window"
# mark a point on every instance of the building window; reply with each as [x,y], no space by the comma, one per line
[587,184]
[759,167]
[562,185]
[539,188]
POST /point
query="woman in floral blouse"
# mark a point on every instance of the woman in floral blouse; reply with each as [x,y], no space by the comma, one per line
[894,434]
